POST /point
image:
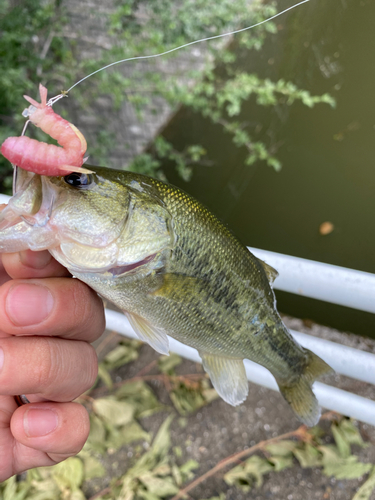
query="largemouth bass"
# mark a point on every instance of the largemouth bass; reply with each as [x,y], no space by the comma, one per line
[172,267]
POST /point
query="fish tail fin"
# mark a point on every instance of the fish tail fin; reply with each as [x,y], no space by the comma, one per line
[300,395]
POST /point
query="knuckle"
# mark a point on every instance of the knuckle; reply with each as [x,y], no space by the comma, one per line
[87,307]
[91,372]
[64,369]
[81,302]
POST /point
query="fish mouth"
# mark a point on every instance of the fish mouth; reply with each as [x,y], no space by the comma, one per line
[21,178]
[129,268]
[33,198]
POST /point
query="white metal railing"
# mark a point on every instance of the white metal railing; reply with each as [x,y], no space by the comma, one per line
[333,284]
[4,198]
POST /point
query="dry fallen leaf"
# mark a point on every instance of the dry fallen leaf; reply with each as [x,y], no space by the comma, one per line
[326,228]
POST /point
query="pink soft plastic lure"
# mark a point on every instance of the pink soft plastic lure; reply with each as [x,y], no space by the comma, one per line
[42,158]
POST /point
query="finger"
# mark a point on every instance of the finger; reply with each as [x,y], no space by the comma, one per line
[50,368]
[29,264]
[61,307]
[59,430]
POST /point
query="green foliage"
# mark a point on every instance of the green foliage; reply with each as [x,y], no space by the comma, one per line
[217,88]
[186,395]
[151,163]
[26,36]
[248,474]
[222,98]
[366,490]
[336,460]
[126,351]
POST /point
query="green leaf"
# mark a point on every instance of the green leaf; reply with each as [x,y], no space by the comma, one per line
[187,468]
[349,468]
[140,396]
[14,490]
[125,352]
[146,495]
[365,491]
[114,412]
[251,472]
[308,456]
[162,439]
[282,448]
[133,432]
[97,433]
[104,374]
[69,473]
[342,468]
[177,451]
[350,432]
[177,476]
[342,444]
[162,487]
[330,453]
[280,463]
[46,489]
[167,364]
[188,398]
[92,468]
[76,495]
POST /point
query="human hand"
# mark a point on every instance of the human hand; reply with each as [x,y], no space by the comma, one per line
[47,321]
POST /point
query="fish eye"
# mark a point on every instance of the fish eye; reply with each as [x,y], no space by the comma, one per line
[78,180]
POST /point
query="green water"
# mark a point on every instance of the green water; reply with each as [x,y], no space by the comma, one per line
[328,155]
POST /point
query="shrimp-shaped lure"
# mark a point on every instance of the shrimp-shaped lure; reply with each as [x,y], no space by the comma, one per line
[42,158]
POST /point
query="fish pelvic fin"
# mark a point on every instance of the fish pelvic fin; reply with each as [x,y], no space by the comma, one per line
[228,376]
[155,337]
[300,395]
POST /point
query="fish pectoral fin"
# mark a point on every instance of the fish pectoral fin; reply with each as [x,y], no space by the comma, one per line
[271,272]
[228,376]
[300,395]
[155,337]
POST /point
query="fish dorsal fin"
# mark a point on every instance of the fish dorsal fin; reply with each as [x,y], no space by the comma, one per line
[271,273]
[228,376]
[155,337]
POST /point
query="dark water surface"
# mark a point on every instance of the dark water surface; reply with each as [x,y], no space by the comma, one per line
[328,155]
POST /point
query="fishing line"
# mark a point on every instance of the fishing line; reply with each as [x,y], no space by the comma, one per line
[152,56]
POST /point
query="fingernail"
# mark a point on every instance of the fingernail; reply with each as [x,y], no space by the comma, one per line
[28,304]
[39,422]
[36,260]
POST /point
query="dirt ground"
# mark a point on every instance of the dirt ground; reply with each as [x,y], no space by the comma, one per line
[219,430]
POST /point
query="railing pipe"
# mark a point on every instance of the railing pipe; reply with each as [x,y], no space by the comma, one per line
[4,198]
[347,361]
[317,280]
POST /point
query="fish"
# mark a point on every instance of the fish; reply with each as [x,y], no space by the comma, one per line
[172,267]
